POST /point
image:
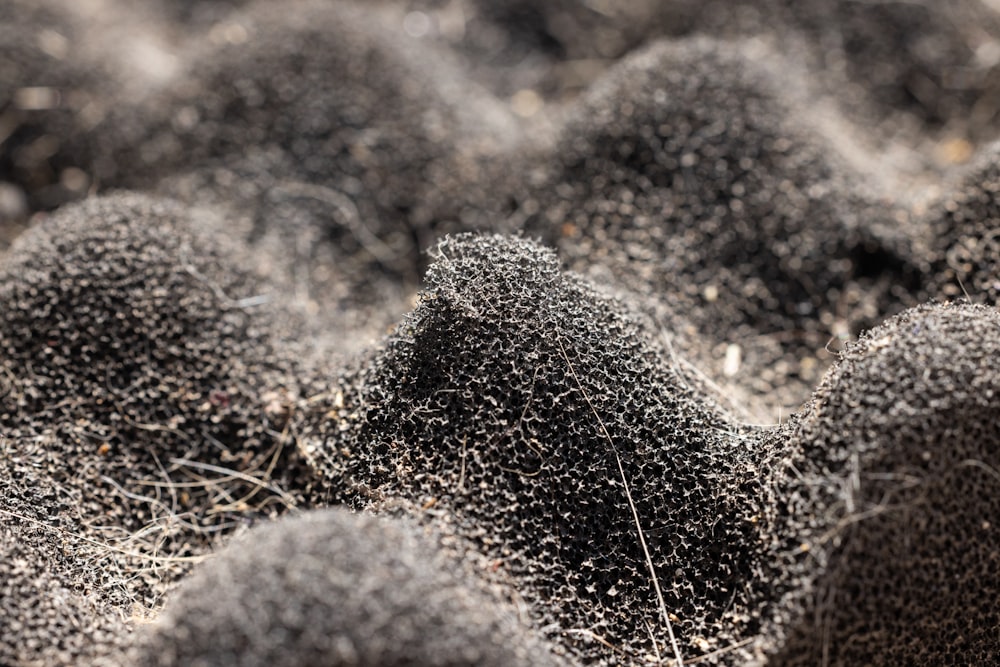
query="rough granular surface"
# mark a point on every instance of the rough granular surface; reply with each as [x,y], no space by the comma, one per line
[326,132]
[141,382]
[574,333]
[545,423]
[886,498]
[687,172]
[967,240]
[61,600]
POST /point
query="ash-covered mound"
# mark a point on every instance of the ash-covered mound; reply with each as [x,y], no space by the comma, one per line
[335,588]
[159,384]
[885,528]
[322,125]
[887,64]
[931,60]
[911,67]
[966,236]
[37,607]
[690,172]
[142,378]
[539,422]
[62,601]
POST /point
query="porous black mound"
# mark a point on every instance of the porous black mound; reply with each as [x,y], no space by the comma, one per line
[327,128]
[313,118]
[526,410]
[137,346]
[558,437]
[281,86]
[688,171]
[37,607]
[334,588]
[63,601]
[893,66]
[886,528]
[887,64]
[926,59]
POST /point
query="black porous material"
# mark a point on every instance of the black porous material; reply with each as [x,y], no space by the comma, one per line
[890,543]
[62,602]
[692,170]
[519,403]
[726,193]
[966,234]
[136,346]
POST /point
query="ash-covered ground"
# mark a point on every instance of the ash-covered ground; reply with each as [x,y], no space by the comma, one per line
[479,332]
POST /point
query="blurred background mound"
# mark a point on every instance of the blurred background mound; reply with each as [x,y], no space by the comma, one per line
[322,125]
[694,169]
[336,588]
[905,68]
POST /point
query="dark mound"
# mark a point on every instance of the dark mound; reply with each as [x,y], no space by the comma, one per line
[138,349]
[936,61]
[886,63]
[316,120]
[334,588]
[530,413]
[719,225]
[920,66]
[325,94]
[690,171]
[966,235]
[62,601]
[324,126]
[886,529]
